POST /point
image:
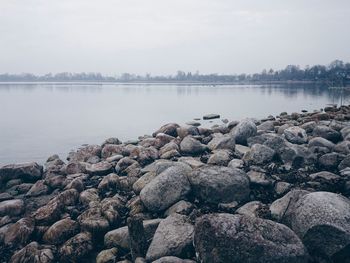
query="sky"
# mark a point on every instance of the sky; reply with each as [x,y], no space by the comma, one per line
[163,36]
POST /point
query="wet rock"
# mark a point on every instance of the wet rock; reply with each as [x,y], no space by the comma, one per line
[34,252]
[217,184]
[220,157]
[61,231]
[282,188]
[166,189]
[342,147]
[111,140]
[237,238]
[295,135]
[143,181]
[76,184]
[120,237]
[76,248]
[194,163]
[222,142]
[329,160]
[173,237]
[259,178]
[144,155]
[101,168]
[75,168]
[26,171]
[20,232]
[259,154]
[309,126]
[5,196]
[327,133]
[107,256]
[171,259]
[244,130]
[92,220]
[189,145]
[13,207]
[321,220]
[49,213]
[344,163]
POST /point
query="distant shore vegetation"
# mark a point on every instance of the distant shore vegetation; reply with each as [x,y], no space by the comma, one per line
[337,73]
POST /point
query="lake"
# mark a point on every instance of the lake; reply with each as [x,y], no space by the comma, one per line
[41,119]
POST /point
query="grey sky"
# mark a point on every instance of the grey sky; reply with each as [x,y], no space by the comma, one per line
[162,36]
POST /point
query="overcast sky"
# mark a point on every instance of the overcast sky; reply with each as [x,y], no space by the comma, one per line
[163,36]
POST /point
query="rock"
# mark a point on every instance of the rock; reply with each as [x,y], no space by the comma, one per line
[222,142]
[166,189]
[76,184]
[84,153]
[110,150]
[120,237]
[211,116]
[254,208]
[144,155]
[309,126]
[237,238]
[114,158]
[77,248]
[236,163]
[217,184]
[61,231]
[172,260]
[49,213]
[241,150]
[182,207]
[327,133]
[189,145]
[143,181]
[266,126]
[344,163]
[259,178]
[321,220]
[220,157]
[282,188]
[259,154]
[169,129]
[109,183]
[329,160]
[173,237]
[39,188]
[34,252]
[20,232]
[88,196]
[112,140]
[93,221]
[321,142]
[325,176]
[5,196]
[107,256]
[13,207]
[281,208]
[342,147]
[194,163]
[101,168]
[27,171]
[244,130]
[295,135]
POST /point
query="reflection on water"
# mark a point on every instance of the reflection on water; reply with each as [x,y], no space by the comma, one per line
[38,120]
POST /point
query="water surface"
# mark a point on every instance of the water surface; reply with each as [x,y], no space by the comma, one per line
[38,120]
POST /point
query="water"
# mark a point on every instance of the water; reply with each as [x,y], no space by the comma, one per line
[38,120]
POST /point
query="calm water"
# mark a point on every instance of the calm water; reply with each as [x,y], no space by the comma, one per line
[38,120]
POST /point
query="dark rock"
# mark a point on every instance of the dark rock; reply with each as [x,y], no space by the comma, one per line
[295,135]
[237,238]
[34,252]
[173,237]
[84,153]
[211,116]
[169,129]
[13,207]
[61,231]
[101,168]
[77,248]
[20,232]
[327,133]
[26,171]
[244,130]
[217,184]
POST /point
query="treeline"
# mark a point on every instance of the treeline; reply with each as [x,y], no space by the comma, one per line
[336,73]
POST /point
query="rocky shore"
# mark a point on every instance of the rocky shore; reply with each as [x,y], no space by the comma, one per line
[271,190]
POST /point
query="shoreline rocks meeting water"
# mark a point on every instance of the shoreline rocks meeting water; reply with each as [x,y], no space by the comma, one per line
[270,190]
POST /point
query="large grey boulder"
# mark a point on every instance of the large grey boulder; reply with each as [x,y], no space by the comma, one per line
[166,189]
[236,238]
[295,135]
[322,221]
[173,237]
[217,184]
[259,154]
[222,142]
[189,145]
[25,171]
[244,130]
